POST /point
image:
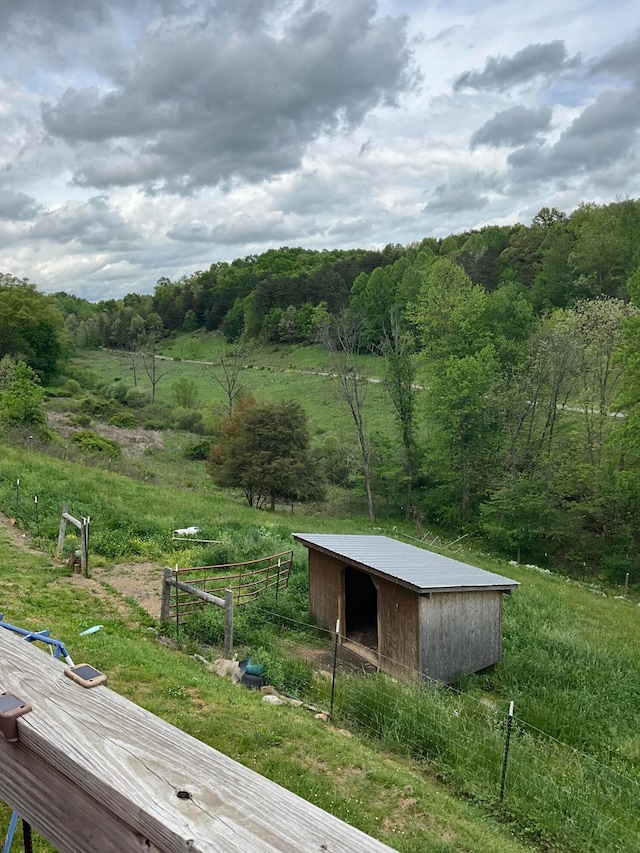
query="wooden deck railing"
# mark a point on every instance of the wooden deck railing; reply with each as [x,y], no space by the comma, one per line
[92,771]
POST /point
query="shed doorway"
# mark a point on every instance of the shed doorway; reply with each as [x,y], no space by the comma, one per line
[361,608]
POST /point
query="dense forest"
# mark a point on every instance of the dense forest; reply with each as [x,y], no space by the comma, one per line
[510,355]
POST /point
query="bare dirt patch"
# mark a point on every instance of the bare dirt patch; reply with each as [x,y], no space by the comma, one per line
[140,581]
[18,537]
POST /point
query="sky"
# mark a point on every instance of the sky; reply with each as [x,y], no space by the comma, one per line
[150,138]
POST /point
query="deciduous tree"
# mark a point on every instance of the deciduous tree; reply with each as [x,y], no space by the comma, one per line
[264,449]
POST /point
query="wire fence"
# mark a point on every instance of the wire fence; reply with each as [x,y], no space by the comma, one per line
[70,452]
[550,792]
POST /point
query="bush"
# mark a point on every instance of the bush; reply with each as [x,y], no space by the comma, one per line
[71,387]
[80,420]
[198,451]
[86,378]
[137,398]
[117,391]
[91,442]
[157,425]
[189,420]
[123,419]
[98,407]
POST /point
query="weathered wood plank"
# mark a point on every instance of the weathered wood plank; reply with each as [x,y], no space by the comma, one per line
[193,590]
[57,809]
[68,517]
[132,765]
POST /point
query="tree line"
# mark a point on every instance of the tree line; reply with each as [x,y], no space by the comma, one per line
[510,359]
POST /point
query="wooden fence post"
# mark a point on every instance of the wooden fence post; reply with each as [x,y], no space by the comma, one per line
[165,608]
[62,532]
[228,623]
[84,546]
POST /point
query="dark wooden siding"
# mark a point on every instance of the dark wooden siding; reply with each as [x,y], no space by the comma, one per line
[397,629]
[460,633]
[325,588]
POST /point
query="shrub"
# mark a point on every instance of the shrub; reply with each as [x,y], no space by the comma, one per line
[71,387]
[189,420]
[118,390]
[86,378]
[95,444]
[80,420]
[198,451]
[137,398]
[123,419]
[98,407]
[157,425]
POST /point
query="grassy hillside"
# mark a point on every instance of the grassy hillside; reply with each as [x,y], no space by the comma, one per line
[273,375]
[570,664]
[393,799]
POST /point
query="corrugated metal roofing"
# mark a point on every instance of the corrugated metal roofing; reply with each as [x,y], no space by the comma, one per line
[424,571]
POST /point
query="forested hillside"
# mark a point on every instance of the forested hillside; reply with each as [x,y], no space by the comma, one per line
[509,354]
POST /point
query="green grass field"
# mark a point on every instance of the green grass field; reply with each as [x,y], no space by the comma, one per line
[570,664]
[422,770]
[388,797]
[273,376]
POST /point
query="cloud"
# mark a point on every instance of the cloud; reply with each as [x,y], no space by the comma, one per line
[94,224]
[604,133]
[17,205]
[515,126]
[193,232]
[461,195]
[228,97]
[622,60]
[536,60]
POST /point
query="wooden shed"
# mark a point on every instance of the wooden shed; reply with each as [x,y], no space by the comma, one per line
[407,610]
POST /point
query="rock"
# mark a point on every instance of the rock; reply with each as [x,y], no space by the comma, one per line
[270,699]
[269,689]
[319,674]
[322,716]
[224,667]
[295,703]
[169,641]
[207,663]
[344,733]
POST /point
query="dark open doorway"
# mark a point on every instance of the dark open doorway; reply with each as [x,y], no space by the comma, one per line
[361,608]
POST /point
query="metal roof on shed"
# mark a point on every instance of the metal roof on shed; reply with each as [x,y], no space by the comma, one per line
[416,568]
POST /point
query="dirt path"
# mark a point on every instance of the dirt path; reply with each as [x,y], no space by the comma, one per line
[17,537]
[141,582]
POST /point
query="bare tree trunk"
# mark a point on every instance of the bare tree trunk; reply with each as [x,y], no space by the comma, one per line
[342,342]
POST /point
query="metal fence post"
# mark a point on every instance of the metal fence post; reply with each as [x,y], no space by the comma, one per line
[335,664]
[165,608]
[506,751]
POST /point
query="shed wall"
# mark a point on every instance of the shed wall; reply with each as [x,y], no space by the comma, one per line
[460,633]
[397,629]
[325,587]
[398,619]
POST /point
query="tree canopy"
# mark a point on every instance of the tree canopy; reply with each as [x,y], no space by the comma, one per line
[264,450]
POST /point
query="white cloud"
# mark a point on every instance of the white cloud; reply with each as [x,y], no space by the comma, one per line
[144,138]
